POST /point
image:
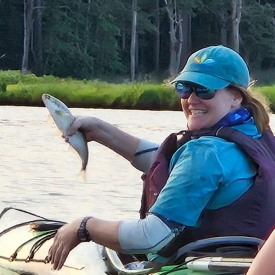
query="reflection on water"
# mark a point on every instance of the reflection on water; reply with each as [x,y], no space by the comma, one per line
[39,173]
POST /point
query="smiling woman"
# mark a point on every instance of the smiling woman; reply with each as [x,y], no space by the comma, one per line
[212,179]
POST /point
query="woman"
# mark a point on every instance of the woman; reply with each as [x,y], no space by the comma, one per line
[198,186]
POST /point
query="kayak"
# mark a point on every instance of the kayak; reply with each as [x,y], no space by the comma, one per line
[24,248]
[25,239]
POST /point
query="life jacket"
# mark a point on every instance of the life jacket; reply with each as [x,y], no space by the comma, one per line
[252,215]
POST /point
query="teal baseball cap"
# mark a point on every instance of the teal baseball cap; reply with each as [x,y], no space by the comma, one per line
[215,68]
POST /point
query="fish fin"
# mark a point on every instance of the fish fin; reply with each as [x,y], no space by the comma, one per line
[50,118]
[83,175]
[71,148]
[58,133]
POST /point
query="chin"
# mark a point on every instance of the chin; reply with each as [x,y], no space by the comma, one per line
[198,125]
[195,128]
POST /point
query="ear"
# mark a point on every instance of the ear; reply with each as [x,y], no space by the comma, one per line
[237,98]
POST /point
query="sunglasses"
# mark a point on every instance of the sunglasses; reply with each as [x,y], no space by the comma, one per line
[184,90]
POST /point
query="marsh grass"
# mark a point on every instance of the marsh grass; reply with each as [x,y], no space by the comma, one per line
[18,89]
[269,93]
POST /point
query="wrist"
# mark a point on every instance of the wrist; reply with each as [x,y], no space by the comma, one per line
[83,234]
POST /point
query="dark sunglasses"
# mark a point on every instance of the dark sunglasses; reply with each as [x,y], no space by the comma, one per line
[184,90]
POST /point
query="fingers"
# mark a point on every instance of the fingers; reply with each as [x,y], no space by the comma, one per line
[59,259]
[64,241]
[82,124]
[57,256]
[74,126]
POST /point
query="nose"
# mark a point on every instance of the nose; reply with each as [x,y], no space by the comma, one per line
[193,98]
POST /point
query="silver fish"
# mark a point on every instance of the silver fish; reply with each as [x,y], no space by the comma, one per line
[63,118]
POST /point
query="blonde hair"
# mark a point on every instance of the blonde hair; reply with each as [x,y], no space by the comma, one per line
[258,105]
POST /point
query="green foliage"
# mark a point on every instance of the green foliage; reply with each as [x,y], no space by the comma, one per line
[3,86]
[10,77]
[81,39]
[28,89]
[269,93]
[11,33]
[258,32]
[92,39]
[98,94]
[157,97]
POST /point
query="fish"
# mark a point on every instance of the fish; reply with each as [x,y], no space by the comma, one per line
[63,119]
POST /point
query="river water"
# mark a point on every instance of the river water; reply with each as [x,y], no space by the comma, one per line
[39,173]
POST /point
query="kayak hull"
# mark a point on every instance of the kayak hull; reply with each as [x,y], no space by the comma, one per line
[15,230]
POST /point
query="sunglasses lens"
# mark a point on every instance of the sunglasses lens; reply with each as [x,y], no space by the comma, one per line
[183,90]
[205,93]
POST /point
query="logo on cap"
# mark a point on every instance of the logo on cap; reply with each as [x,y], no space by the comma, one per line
[203,59]
[200,60]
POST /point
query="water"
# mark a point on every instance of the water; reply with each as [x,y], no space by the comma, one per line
[39,173]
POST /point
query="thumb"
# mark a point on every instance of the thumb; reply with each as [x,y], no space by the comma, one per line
[74,127]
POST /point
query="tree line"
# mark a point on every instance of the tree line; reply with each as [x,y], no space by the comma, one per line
[137,39]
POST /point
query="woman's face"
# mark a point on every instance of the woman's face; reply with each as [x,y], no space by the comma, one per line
[202,113]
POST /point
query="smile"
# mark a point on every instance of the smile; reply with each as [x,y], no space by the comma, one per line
[197,112]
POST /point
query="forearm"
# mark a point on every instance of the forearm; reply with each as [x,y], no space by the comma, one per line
[104,232]
[128,236]
[134,236]
[112,137]
[264,261]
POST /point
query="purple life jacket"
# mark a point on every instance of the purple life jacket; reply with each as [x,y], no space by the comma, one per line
[252,215]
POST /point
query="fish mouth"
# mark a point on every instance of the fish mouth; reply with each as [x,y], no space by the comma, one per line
[46,96]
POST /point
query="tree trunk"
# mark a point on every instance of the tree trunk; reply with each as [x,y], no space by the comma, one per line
[224,23]
[87,29]
[174,43]
[28,16]
[236,6]
[180,41]
[186,39]
[133,40]
[37,39]
[157,37]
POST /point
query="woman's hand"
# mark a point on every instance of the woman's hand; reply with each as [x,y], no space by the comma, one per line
[64,241]
[86,125]
[101,232]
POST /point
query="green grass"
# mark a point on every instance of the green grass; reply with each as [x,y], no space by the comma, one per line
[269,93]
[18,89]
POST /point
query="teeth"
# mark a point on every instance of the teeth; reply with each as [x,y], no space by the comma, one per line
[195,112]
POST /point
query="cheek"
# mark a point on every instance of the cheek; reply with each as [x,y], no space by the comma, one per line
[184,105]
